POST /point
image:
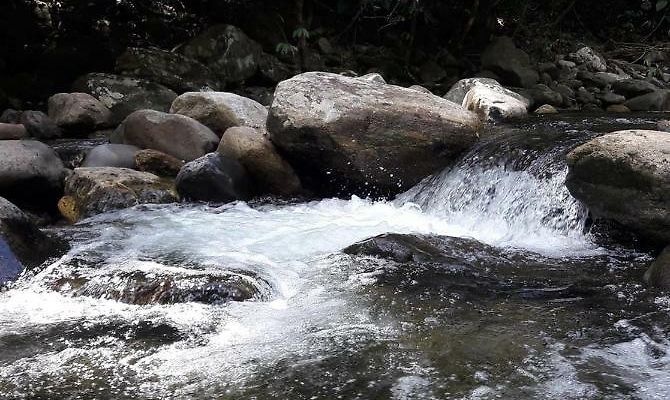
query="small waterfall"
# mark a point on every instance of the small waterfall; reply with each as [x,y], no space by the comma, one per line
[509,189]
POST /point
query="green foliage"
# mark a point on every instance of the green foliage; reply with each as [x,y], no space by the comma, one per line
[286,49]
[301,33]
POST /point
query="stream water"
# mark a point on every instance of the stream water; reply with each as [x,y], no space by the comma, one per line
[547,314]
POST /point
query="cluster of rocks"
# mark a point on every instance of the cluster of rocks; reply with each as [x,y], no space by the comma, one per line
[583,80]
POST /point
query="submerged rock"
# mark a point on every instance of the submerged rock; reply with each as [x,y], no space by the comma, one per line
[220,110]
[269,172]
[123,95]
[213,177]
[95,190]
[173,70]
[625,176]
[173,134]
[346,135]
[658,274]
[22,244]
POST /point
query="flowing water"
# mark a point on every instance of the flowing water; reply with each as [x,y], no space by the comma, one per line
[523,303]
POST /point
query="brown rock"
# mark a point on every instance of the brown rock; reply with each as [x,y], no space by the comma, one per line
[158,163]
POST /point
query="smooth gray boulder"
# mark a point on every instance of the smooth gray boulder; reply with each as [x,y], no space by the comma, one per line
[658,100]
[624,176]
[111,155]
[31,173]
[346,135]
[220,110]
[214,178]
[268,171]
[177,135]
[12,131]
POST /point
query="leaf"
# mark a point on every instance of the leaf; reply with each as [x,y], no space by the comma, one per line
[661,4]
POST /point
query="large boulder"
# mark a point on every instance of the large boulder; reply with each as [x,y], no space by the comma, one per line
[220,110]
[123,95]
[213,178]
[658,100]
[177,135]
[39,125]
[509,62]
[658,274]
[22,244]
[268,171]
[625,177]
[346,135]
[227,51]
[31,173]
[173,70]
[111,155]
[90,191]
[78,112]
[12,131]
[492,102]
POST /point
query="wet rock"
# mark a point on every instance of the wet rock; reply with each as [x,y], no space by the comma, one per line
[397,247]
[78,112]
[31,173]
[12,131]
[39,125]
[509,62]
[658,274]
[158,163]
[458,90]
[494,103]
[546,109]
[663,125]
[111,155]
[595,108]
[215,178]
[588,57]
[22,244]
[176,135]
[346,135]
[172,70]
[268,171]
[633,87]
[658,100]
[617,108]
[124,95]
[624,176]
[163,285]
[227,51]
[220,110]
[91,191]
